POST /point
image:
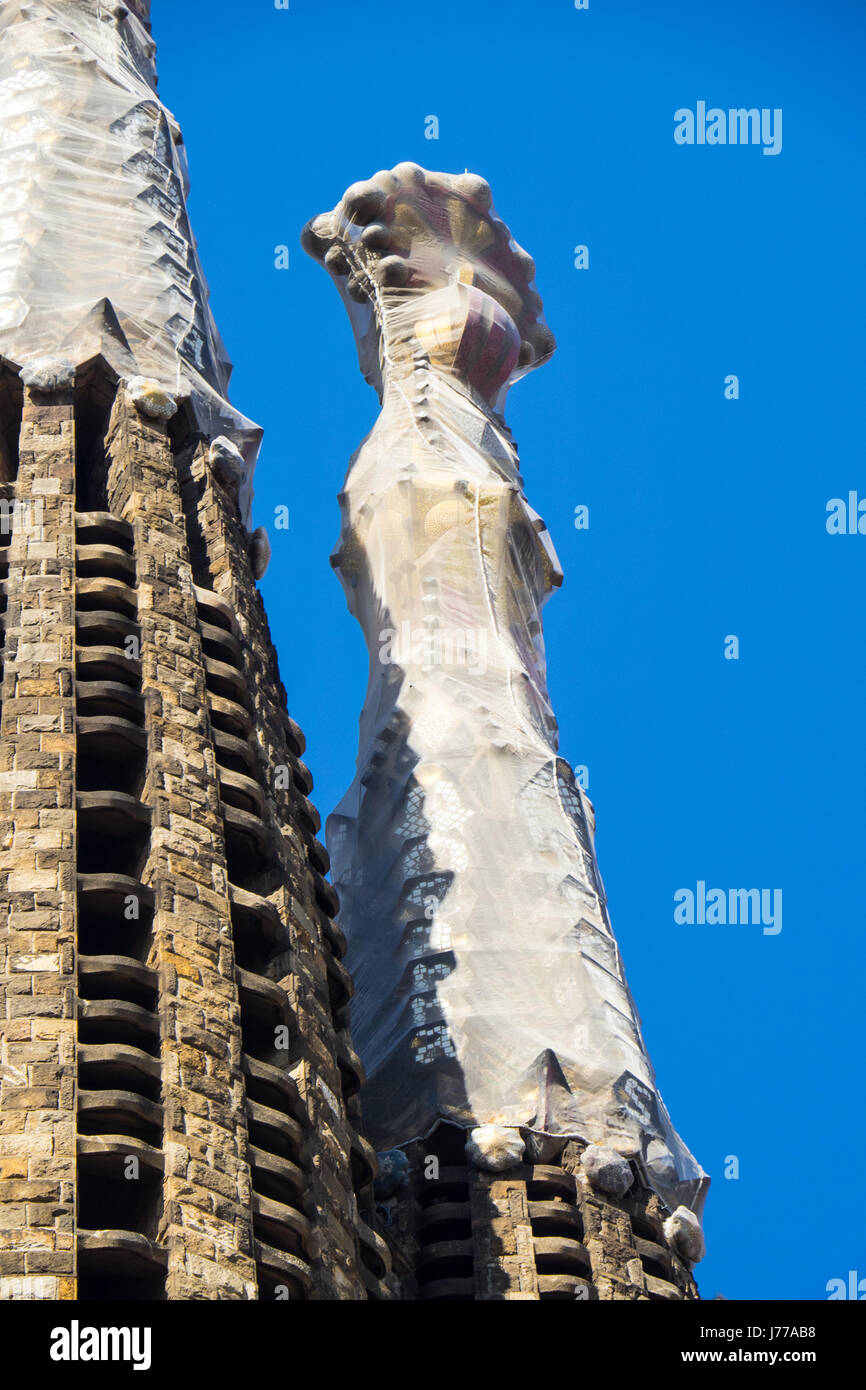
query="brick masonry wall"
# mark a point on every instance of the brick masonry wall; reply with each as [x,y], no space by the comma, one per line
[204,1220]
[207,1219]
[38,866]
[332,1204]
[531,1233]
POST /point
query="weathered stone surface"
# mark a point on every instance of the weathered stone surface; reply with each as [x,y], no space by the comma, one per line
[607,1170]
[44,374]
[151,398]
[393,1173]
[37,848]
[683,1231]
[226,461]
[260,552]
[164,965]
[331,1199]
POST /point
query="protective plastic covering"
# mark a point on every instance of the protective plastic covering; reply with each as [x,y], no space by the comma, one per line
[96,252]
[489,986]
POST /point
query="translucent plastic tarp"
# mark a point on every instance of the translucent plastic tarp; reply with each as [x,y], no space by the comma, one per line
[489,986]
[93,185]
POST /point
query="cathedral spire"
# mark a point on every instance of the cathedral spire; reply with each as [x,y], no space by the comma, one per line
[93,184]
[490,990]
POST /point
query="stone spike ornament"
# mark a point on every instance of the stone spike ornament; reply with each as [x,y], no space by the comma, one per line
[98,255]
[490,991]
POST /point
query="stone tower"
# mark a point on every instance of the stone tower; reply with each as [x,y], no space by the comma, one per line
[528,1153]
[178,1090]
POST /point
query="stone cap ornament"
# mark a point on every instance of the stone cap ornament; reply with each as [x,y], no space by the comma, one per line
[494,1148]
[227,462]
[423,262]
[684,1235]
[393,1175]
[260,552]
[606,1170]
[150,398]
[46,374]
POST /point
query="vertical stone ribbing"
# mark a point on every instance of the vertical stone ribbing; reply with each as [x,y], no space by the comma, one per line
[37,866]
[207,1217]
[616,1267]
[504,1260]
[330,1137]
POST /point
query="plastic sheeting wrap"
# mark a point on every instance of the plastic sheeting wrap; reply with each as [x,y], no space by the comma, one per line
[489,987]
[96,252]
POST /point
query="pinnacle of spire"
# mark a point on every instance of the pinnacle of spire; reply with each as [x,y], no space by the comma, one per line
[120,281]
[407,232]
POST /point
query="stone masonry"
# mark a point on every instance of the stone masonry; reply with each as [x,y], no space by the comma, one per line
[178,1114]
[38,862]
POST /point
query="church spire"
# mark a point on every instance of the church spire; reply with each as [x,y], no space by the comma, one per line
[93,184]
[490,990]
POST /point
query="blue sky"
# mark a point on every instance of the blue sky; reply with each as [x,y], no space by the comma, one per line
[707,516]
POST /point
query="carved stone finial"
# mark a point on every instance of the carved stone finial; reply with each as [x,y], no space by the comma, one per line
[227,462]
[150,398]
[393,1175]
[683,1233]
[494,1148]
[607,1170]
[407,234]
[260,552]
[46,374]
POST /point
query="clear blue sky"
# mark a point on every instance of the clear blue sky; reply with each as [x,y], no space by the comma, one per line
[707,516]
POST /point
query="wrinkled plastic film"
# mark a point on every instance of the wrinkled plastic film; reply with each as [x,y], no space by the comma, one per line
[96,252]
[489,988]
